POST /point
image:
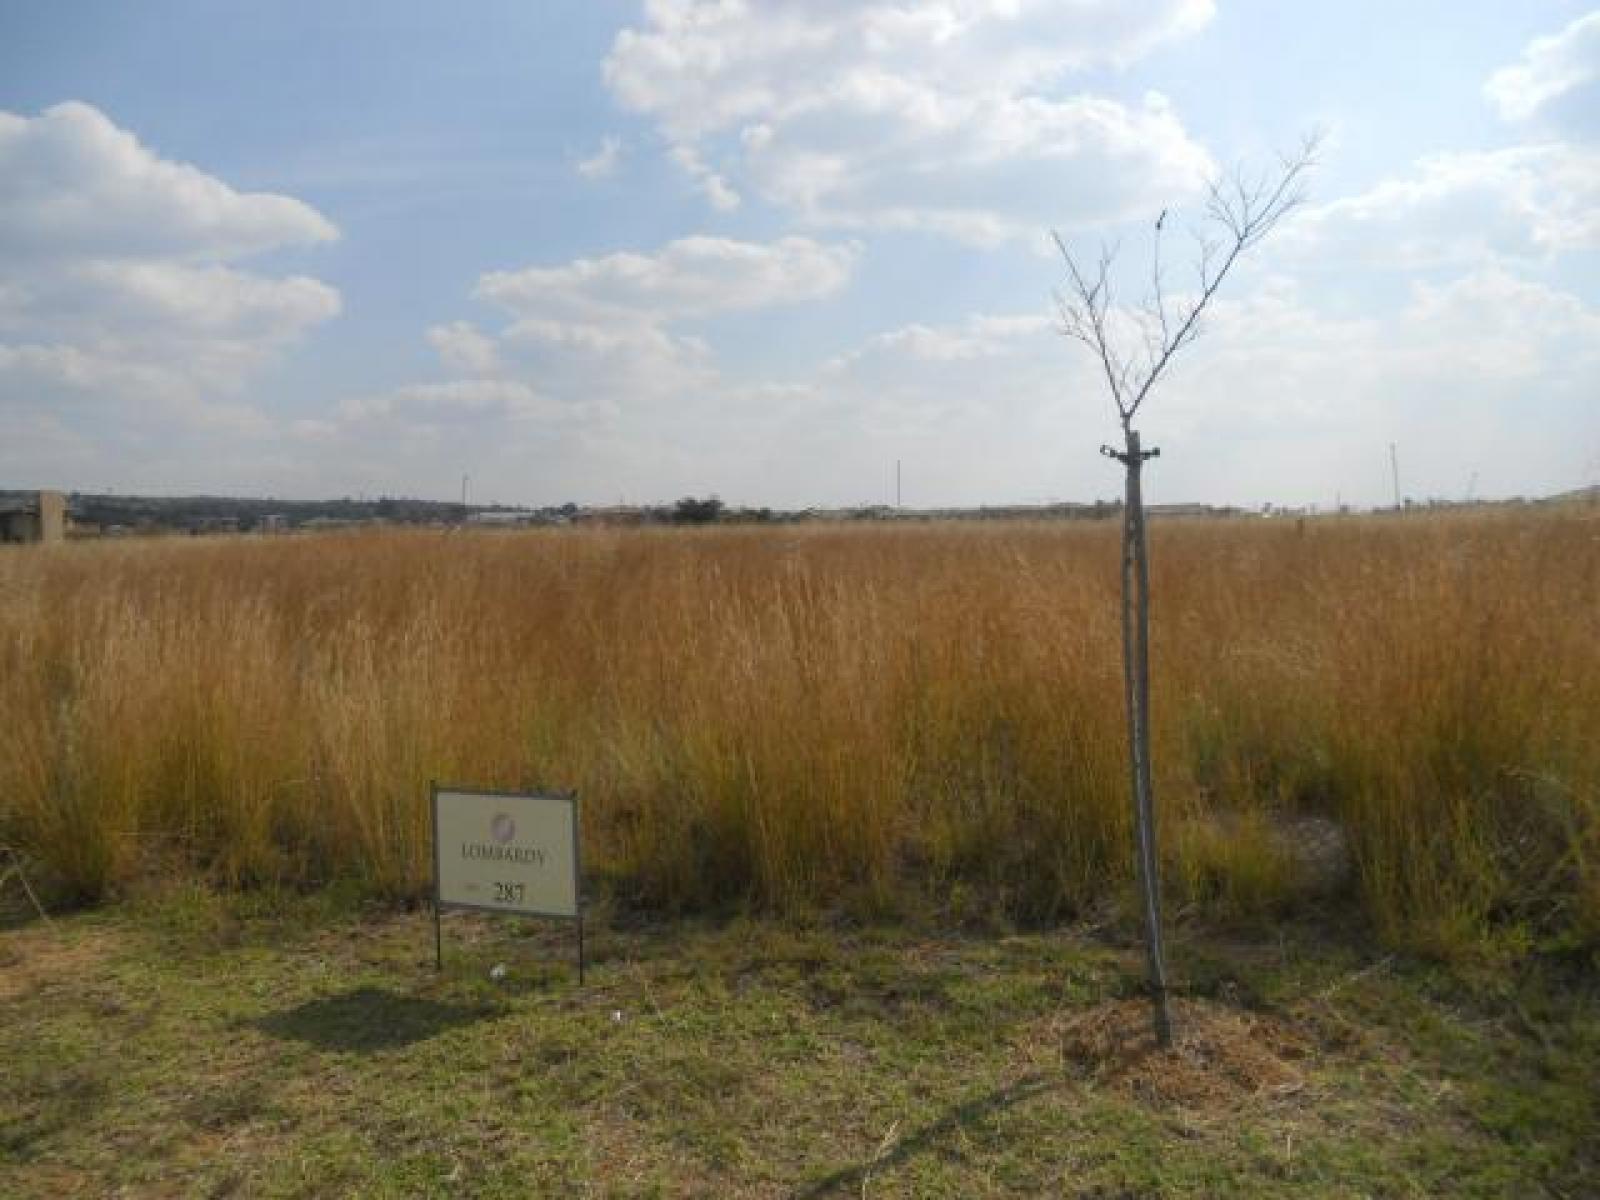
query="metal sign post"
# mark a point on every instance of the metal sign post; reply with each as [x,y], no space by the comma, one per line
[506,852]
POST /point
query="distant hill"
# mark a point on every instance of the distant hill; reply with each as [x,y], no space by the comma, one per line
[200,513]
[1582,495]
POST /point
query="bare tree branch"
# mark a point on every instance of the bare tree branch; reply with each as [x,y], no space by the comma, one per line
[1243,210]
[1083,316]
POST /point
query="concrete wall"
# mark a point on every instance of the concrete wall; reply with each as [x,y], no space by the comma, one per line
[45,520]
[52,517]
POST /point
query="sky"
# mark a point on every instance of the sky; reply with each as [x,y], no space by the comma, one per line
[768,249]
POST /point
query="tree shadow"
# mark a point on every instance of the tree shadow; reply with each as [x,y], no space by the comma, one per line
[370,1019]
[851,1179]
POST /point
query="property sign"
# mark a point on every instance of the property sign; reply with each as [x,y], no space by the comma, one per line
[506,852]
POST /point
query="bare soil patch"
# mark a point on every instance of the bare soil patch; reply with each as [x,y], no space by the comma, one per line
[1220,1054]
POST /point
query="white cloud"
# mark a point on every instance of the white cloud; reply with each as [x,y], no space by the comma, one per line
[949,118]
[706,65]
[630,339]
[721,197]
[1283,401]
[28,367]
[688,278]
[214,315]
[979,337]
[463,347]
[39,446]
[455,398]
[1496,326]
[1523,201]
[603,163]
[312,430]
[117,292]
[610,327]
[712,185]
[115,388]
[1551,69]
[72,183]
[596,338]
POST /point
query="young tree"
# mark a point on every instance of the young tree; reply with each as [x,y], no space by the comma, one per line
[1133,348]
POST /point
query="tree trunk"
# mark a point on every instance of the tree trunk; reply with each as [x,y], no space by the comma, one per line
[1136,681]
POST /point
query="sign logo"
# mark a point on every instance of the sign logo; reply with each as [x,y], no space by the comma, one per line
[502,829]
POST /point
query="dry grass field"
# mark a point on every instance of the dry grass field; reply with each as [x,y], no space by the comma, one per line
[866,719]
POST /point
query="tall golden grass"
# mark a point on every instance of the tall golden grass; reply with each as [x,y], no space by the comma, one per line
[859,717]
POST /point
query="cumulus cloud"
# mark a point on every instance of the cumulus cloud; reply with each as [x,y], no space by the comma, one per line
[1522,201]
[588,341]
[1281,400]
[704,65]
[1520,205]
[463,347]
[1284,400]
[118,283]
[603,163]
[73,183]
[504,398]
[949,118]
[221,317]
[690,277]
[979,337]
[1552,72]
[612,328]
[712,185]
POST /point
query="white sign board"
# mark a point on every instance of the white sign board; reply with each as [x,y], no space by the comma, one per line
[506,852]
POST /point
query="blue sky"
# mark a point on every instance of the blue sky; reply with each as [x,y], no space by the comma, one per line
[607,252]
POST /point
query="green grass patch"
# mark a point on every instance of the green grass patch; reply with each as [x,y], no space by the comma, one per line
[211,1046]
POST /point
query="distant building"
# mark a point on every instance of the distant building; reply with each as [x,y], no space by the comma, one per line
[621,514]
[503,519]
[34,517]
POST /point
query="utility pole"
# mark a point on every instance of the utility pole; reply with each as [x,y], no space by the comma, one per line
[1394,469]
[897,483]
[464,479]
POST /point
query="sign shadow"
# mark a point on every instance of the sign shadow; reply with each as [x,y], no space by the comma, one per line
[370,1019]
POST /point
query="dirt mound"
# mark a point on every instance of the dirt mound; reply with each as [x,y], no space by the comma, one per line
[1219,1054]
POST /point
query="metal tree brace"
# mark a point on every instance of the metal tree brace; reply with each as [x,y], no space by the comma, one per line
[1125,457]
